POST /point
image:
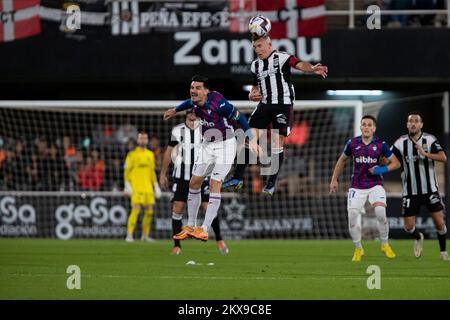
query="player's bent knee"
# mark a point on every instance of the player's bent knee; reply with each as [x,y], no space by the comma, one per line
[196,182]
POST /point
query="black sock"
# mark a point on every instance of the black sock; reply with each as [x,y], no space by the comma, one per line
[216,227]
[273,178]
[442,238]
[176,227]
[240,167]
[414,234]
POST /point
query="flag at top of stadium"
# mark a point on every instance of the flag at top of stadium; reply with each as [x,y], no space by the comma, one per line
[290,18]
[19,19]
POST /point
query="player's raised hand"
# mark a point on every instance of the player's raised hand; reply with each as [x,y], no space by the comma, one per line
[169,113]
[333,186]
[255,95]
[420,150]
[163,182]
[157,190]
[255,147]
[320,70]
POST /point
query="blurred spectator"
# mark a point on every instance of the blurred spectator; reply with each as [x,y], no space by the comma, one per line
[69,151]
[428,19]
[125,132]
[440,19]
[299,134]
[400,20]
[9,170]
[104,133]
[2,159]
[58,173]
[42,166]
[155,146]
[22,166]
[114,175]
[98,163]
[89,177]
[131,145]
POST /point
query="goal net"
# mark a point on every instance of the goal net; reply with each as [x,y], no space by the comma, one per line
[61,171]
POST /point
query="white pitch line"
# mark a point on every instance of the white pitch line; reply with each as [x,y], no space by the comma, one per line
[327,277]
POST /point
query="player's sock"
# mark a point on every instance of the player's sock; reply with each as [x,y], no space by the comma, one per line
[147,222]
[382,224]
[244,156]
[211,210]
[277,152]
[193,204]
[132,220]
[177,223]
[354,226]
[216,227]
[442,237]
[414,233]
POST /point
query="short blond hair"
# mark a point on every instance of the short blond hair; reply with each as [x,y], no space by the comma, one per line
[255,37]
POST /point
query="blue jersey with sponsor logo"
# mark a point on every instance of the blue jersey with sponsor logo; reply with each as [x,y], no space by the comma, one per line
[214,116]
[366,156]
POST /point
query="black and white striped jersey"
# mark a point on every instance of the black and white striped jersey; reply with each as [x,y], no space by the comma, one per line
[273,76]
[418,172]
[186,142]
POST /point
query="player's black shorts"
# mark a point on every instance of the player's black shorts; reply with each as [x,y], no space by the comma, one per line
[411,204]
[281,116]
[180,190]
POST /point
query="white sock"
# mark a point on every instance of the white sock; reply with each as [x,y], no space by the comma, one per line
[211,210]
[382,224]
[354,226]
[443,231]
[193,204]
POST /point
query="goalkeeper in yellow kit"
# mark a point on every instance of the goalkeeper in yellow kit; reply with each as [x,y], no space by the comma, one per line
[141,185]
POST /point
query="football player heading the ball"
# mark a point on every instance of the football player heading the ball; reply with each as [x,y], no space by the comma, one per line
[273,89]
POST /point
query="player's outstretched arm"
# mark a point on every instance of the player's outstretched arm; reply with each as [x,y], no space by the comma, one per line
[169,114]
[394,164]
[337,171]
[163,182]
[318,69]
[186,104]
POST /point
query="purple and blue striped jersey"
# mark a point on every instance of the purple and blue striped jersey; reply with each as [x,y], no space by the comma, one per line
[364,158]
[213,115]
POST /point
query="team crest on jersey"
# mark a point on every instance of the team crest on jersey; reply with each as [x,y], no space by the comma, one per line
[276,62]
[209,111]
[374,148]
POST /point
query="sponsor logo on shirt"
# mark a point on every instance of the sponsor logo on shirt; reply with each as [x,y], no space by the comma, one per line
[362,159]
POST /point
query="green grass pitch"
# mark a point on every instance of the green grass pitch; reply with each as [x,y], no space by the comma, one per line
[254,269]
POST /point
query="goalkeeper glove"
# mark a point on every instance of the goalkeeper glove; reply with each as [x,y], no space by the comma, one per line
[127,189]
[157,190]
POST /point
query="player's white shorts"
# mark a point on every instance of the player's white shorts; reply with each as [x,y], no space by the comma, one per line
[357,197]
[215,159]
